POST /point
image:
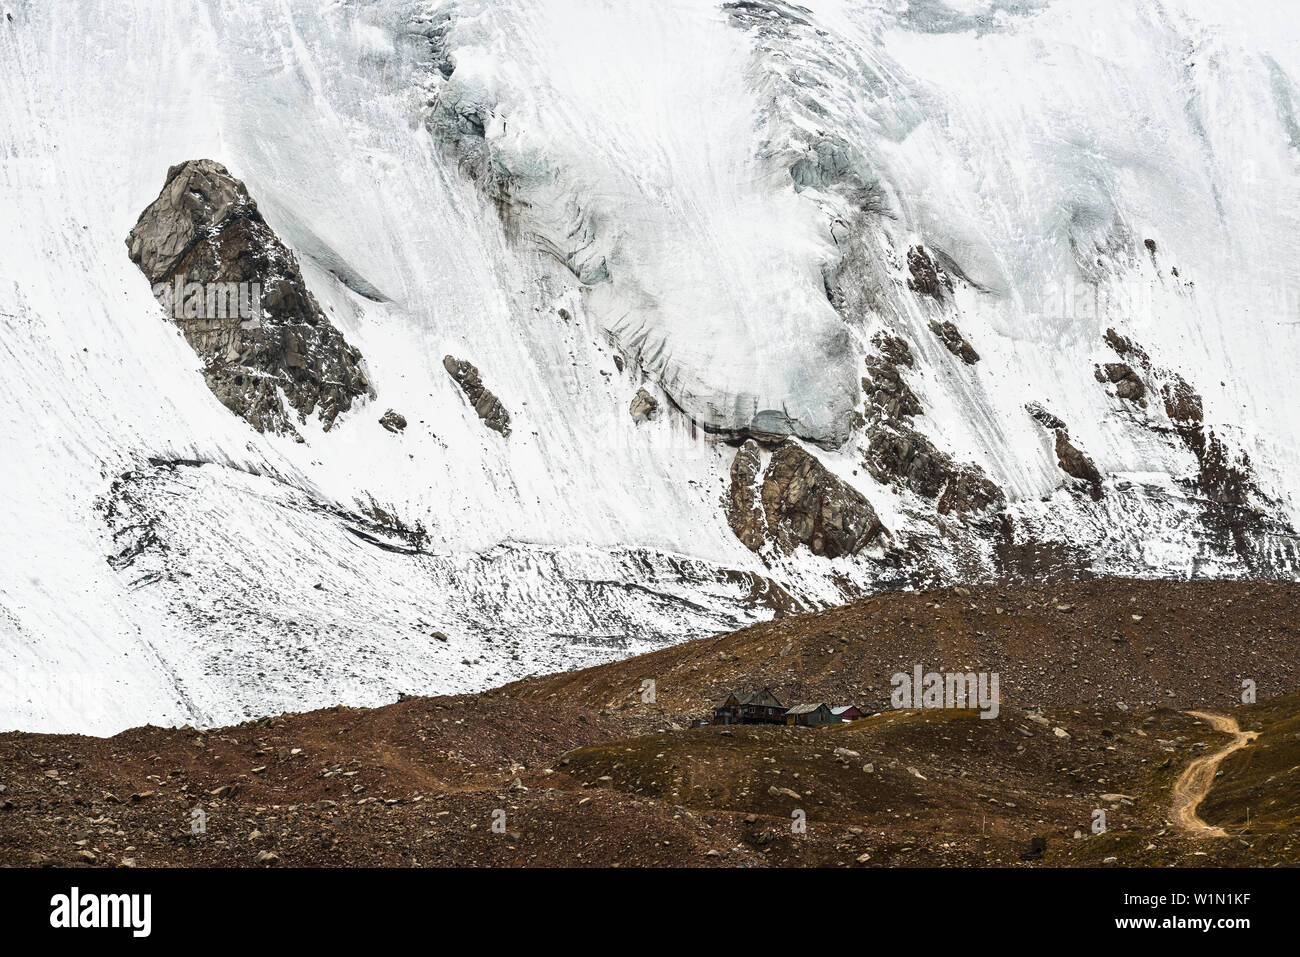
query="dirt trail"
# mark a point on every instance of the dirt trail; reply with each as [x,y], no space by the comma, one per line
[1194,783]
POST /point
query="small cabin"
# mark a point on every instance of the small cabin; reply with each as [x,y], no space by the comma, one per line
[761,707]
[728,712]
[846,713]
[809,715]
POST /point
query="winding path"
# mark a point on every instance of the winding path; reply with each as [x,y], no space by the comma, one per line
[1195,782]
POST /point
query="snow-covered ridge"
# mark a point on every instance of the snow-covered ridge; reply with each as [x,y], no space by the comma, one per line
[715,202]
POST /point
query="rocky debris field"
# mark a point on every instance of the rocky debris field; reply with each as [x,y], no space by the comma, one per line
[585,769]
[1108,643]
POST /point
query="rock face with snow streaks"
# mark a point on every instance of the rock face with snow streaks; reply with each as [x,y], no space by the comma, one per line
[485,404]
[222,275]
[802,505]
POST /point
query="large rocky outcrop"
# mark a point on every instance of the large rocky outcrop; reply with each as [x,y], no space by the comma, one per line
[806,505]
[236,293]
[901,454]
[488,407]
[928,278]
[744,514]
[1074,463]
[802,503]
[898,453]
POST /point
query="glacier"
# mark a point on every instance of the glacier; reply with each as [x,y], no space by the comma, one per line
[716,202]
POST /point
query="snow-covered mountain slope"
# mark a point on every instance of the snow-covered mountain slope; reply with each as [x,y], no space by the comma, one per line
[740,208]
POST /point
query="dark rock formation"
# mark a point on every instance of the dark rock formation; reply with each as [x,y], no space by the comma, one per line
[1075,463]
[1220,477]
[1128,383]
[488,406]
[952,339]
[928,277]
[899,454]
[1069,458]
[237,294]
[643,405]
[799,502]
[393,421]
[884,386]
[1043,417]
[807,505]
[902,455]
[1126,348]
[743,512]
[1183,405]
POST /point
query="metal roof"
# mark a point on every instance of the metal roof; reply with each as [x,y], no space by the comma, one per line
[804,708]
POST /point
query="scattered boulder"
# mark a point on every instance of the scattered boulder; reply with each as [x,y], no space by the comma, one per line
[393,421]
[1036,851]
[486,405]
[236,293]
[643,405]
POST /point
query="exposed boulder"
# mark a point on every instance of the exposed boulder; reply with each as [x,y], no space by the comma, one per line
[1073,462]
[805,504]
[743,512]
[953,340]
[393,421]
[237,294]
[1069,458]
[1043,417]
[488,407]
[643,405]
[1128,384]
[928,277]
